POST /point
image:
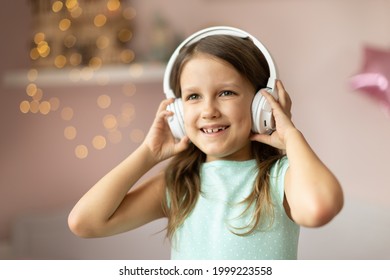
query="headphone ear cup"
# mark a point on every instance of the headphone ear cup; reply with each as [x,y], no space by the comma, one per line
[176,122]
[262,119]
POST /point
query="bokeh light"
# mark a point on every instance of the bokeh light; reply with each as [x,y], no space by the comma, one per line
[102,42]
[38,95]
[129,13]
[70,40]
[125,35]
[44,107]
[70,132]
[71,4]
[43,49]
[39,37]
[100,20]
[99,142]
[31,89]
[67,113]
[113,5]
[93,35]
[34,106]
[127,56]
[54,103]
[136,70]
[75,59]
[57,6]
[24,106]
[32,75]
[104,101]
[110,122]
[81,151]
[86,73]
[64,24]
[76,12]
[60,61]
[128,111]
[95,63]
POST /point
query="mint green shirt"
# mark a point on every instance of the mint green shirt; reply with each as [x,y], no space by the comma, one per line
[207,233]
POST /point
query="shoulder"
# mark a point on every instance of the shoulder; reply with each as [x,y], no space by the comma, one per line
[277,177]
[280,166]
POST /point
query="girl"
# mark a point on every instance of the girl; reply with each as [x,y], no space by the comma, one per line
[227,192]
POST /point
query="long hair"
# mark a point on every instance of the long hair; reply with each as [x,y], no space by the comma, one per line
[182,174]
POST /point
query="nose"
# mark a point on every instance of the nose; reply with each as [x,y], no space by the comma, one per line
[210,109]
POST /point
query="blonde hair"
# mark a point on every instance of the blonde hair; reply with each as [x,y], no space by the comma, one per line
[182,175]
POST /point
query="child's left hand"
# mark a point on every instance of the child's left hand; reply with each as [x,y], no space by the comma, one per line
[281,111]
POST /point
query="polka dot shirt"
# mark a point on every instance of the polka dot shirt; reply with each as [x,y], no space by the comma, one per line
[209,231]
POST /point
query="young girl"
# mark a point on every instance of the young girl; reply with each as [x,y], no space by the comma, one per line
[228,193]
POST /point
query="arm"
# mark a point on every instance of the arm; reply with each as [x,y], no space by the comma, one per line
[112,206]
[313,194]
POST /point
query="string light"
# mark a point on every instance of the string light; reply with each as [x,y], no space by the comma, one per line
[83,36]
[100,20]
[24,106]
[104,101]
[32,75]
[64,24]
[70,132]
[57,6]
[81,151]
[99,142]
[67,113]
[113,5]
[44,107]
[60,61]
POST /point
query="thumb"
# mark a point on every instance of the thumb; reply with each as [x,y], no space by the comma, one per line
[262,138]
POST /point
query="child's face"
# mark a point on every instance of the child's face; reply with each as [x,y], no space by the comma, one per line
[217,108]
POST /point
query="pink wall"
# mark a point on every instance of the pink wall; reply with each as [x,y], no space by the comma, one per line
[317,46]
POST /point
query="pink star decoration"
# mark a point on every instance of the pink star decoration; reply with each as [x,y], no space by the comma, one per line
[374,78]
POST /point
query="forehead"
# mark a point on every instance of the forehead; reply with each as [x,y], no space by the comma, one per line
[207,70]
[203,62]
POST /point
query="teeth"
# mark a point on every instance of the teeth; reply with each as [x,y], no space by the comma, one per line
[213,130]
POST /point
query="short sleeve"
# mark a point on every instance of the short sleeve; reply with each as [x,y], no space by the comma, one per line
[277,175]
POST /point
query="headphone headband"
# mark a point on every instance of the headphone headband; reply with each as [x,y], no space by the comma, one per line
[218,30]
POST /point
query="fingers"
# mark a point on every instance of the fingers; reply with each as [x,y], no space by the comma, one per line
[262,138]
[284,98]
[182,144]
[163,105]
[284,102]
[162,112]
[271,100]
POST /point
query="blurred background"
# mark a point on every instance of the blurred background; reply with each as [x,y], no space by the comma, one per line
[81,81]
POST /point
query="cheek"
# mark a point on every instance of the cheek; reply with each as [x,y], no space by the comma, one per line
[189,117]
[243,116]
[246,122]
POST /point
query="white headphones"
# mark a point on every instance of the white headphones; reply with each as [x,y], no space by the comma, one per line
[262,120]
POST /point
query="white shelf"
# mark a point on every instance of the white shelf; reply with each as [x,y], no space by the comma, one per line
[108,75]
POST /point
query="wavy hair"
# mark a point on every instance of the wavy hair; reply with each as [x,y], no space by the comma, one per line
[182,174]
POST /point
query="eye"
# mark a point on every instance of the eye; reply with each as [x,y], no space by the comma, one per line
[227,93]
[192,96]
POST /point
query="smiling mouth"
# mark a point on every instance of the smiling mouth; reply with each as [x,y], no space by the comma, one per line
[214,130]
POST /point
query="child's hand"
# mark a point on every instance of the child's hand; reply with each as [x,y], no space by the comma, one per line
[281,111]
[159,139]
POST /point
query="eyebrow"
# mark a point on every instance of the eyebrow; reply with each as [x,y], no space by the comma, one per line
[220,85]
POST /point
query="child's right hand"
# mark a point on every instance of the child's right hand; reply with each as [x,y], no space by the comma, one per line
[159,140]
